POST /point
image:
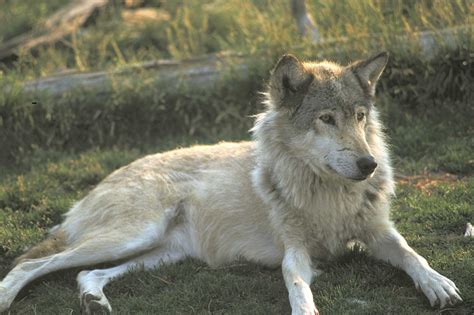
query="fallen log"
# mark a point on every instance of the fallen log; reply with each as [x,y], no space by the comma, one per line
[202,71]
[63,22]
[206,70]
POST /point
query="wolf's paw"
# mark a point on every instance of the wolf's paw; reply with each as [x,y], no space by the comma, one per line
[438,289]
[301,300]
[305,309]
[95,303]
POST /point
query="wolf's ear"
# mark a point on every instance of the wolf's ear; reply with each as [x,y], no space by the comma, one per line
[368,71]
[289,82]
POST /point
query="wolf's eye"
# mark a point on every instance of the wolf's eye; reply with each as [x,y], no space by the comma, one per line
[328,119]
[360,116]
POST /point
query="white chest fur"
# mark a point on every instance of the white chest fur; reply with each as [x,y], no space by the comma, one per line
[324,215]
[336,215]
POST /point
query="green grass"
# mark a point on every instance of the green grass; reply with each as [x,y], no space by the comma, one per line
[54,152]
[437,141]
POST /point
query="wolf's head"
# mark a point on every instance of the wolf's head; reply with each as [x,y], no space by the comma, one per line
[323,113]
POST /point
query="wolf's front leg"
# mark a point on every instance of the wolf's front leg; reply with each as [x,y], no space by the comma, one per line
[297,273]
[391,247]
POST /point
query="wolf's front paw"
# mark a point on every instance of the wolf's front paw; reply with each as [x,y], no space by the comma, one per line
[437,288]
[305,309]
[95,303]
[301,300]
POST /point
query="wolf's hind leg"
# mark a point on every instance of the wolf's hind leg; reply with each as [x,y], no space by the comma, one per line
[91,283]
[105,247]
[88,253]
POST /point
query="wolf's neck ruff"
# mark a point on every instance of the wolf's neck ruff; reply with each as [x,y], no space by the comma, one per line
[285,177]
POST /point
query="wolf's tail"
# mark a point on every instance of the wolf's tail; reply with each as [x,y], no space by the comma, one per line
[55,243]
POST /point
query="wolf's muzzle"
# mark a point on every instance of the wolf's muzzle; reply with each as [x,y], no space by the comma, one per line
[366,165]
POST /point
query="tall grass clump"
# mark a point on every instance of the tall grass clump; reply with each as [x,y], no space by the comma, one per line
[206,26]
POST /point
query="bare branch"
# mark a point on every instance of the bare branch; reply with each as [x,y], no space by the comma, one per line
[63,22]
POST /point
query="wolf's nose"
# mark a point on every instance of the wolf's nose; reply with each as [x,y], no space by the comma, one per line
[366,165]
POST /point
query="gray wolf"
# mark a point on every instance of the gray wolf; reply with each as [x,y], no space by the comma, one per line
[316,177]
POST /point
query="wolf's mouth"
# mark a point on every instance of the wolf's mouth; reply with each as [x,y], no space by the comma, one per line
[358,179]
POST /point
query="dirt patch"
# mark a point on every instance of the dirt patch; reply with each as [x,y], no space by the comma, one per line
[427,182]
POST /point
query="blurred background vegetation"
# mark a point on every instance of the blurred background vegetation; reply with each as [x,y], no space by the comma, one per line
[181,29]
[136,109]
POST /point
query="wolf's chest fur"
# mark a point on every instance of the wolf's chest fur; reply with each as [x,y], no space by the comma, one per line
[336,216]
[323,214]
[332,216]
